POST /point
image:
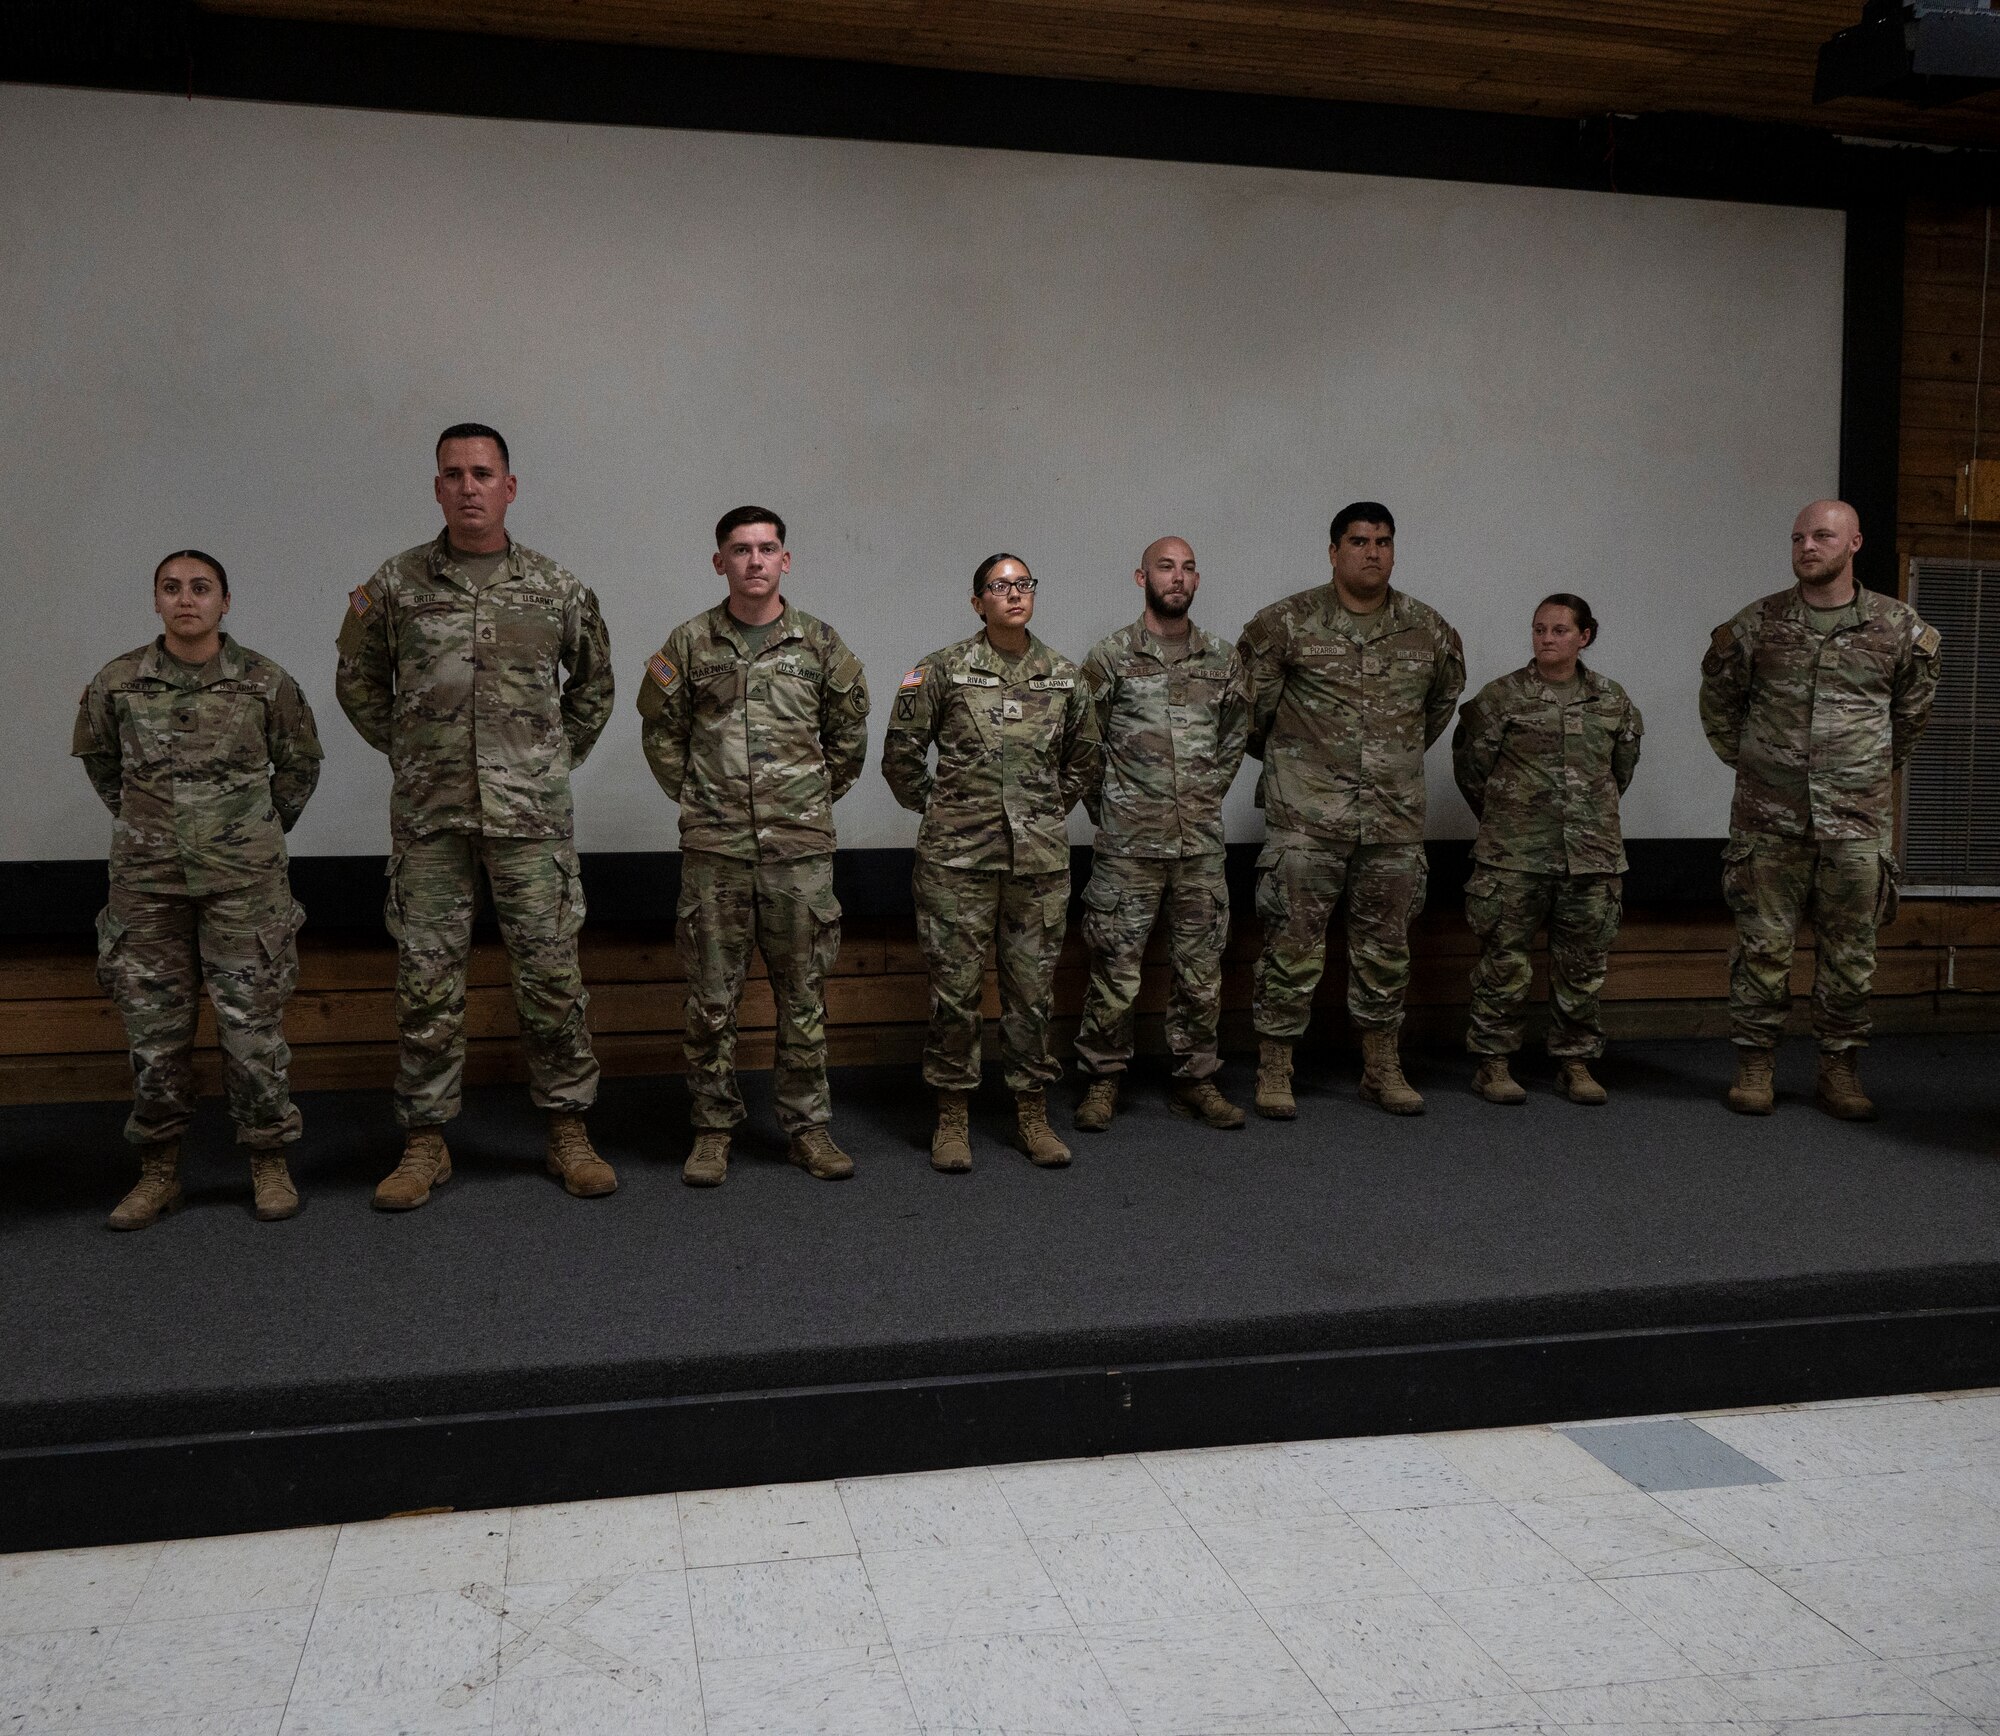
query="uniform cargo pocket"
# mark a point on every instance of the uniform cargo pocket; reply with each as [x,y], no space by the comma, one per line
[570,923]
[392,899]
[1100,915]
[1888,890]
[1737,890]
[110,935]
[1482,902]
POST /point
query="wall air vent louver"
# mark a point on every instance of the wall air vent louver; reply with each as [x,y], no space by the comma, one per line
[1951,807]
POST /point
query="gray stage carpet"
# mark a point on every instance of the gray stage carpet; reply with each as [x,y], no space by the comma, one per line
[1164,1241]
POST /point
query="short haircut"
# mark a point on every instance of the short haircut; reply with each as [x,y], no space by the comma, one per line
[207,560]
[743,515]
[1361,512]
[476,431]
[988,564]
[1586,622]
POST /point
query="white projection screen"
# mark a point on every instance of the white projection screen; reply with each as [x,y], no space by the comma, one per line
[241,326]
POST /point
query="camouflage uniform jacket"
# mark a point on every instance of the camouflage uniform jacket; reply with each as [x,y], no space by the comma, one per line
[1813,726]
[1544,775]
[755,749]
[1017,748]
[205,769]
[1342,710]
[1173,736]
[458,686]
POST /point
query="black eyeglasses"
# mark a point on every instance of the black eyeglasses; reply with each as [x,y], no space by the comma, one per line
[1010,587]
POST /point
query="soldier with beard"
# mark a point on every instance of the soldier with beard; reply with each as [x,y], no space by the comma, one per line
[1816,696]
[1174,713]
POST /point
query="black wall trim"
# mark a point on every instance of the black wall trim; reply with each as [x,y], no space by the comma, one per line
[158,45]
[129,1491]
[1871,384]
[61,899]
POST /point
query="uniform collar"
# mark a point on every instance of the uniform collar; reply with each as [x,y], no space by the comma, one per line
[1147,643]
[724,625]
[1362,627]
[227,664]
[442,566]
[1032,664]
[1588,684]
[1871,605]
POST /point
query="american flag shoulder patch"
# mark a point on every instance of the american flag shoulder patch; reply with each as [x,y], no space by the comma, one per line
[662,673]
[915,678]
[359,600]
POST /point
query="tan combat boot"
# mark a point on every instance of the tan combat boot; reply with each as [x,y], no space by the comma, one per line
[1382,1081]
[1038,1138]
[1839,1090]
[1274,1081]
[951,1144]
[708,1163]
[814,1152]
[1752,1093]
[1495,1081]
[157,1191]
[271,1186]
[1199,1100]
[574,1160]
[1574,1081]
[426,1164]
[1097,1105]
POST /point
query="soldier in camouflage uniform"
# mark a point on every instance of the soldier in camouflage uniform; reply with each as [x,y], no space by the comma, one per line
[450,658]
[756,723]
[1174,713]
[205,753]
[1542,756]
[1349,684]
[1017,746]
[1816,696]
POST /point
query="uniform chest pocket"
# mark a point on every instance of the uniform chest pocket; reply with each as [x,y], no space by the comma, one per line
[717,686]
[146,724]
[789,689]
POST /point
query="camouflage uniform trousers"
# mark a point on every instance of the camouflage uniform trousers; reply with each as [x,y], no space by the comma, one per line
[1120,906]
[154,953]
[1298,886]
[788,912]
[1025,916]
[1505,907]
[538,899]
[1847,889]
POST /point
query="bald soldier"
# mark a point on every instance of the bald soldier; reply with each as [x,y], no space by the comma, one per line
[482,670]
[1815,696]
[1174,714]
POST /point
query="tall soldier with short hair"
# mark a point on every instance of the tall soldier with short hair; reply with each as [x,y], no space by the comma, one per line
[1016,740]
[1816,695]
[451,659]
[206,754]
[1349,683]
[756,723]
[1174,713]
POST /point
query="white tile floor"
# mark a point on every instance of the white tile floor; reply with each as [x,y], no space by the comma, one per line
[1496,1581]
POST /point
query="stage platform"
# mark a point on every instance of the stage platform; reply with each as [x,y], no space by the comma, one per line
[1345,1273]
